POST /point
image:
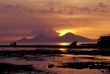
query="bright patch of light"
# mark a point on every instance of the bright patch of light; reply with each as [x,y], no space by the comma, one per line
[63,49]
[64,43]
[63,32]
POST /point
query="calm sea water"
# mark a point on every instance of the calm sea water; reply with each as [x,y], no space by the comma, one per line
[64,43]
[54,61]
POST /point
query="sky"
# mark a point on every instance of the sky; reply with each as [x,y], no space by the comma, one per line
[29,18]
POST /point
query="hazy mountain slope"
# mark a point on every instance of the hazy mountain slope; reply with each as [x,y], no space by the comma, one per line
[68,37]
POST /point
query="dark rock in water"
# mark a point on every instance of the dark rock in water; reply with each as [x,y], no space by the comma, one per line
[9,68]
[74,43]
[83,65]
[51,66]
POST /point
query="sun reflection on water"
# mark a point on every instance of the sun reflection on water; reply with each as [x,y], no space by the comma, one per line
[63,49]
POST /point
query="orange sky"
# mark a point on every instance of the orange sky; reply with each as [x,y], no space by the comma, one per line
[28,18]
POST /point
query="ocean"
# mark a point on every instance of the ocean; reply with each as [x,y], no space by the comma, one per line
[54,60]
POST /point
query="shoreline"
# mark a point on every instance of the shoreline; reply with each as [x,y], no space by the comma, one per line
[58,46]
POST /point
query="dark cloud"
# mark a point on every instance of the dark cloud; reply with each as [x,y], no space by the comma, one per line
[25,26]
[38,29]
[45,30]
[14,34]
[50,9]
[102,5]
[16,9]
[6,8]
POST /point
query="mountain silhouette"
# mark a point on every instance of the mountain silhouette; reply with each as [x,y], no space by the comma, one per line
[39,38]
[68,37]
[23,40]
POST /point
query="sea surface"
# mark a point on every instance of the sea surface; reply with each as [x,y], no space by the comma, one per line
[54,60]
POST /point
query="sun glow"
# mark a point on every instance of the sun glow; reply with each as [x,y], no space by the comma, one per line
[63,32]
[64,43]
[63,49]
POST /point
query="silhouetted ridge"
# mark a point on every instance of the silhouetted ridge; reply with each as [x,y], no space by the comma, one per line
[68,37]
[23,40]
[68,34]
[41,36]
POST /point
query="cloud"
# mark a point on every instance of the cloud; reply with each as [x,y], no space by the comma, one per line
[14,34]
[51,9]
[6,8]
[102,5]
[26,26]
[16,9]
[45,30]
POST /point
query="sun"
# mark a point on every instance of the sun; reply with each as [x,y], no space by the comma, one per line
[63,32]
[63,43]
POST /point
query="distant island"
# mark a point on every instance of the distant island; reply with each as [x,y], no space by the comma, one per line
[68,37]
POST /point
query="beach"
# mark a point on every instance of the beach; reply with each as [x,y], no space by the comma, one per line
[54,61]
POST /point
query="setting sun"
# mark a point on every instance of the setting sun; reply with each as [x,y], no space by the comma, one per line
[64,43]
[62,32]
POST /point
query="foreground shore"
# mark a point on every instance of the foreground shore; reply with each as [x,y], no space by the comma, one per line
[54,61]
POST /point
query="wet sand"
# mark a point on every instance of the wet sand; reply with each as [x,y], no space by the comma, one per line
[54,61]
